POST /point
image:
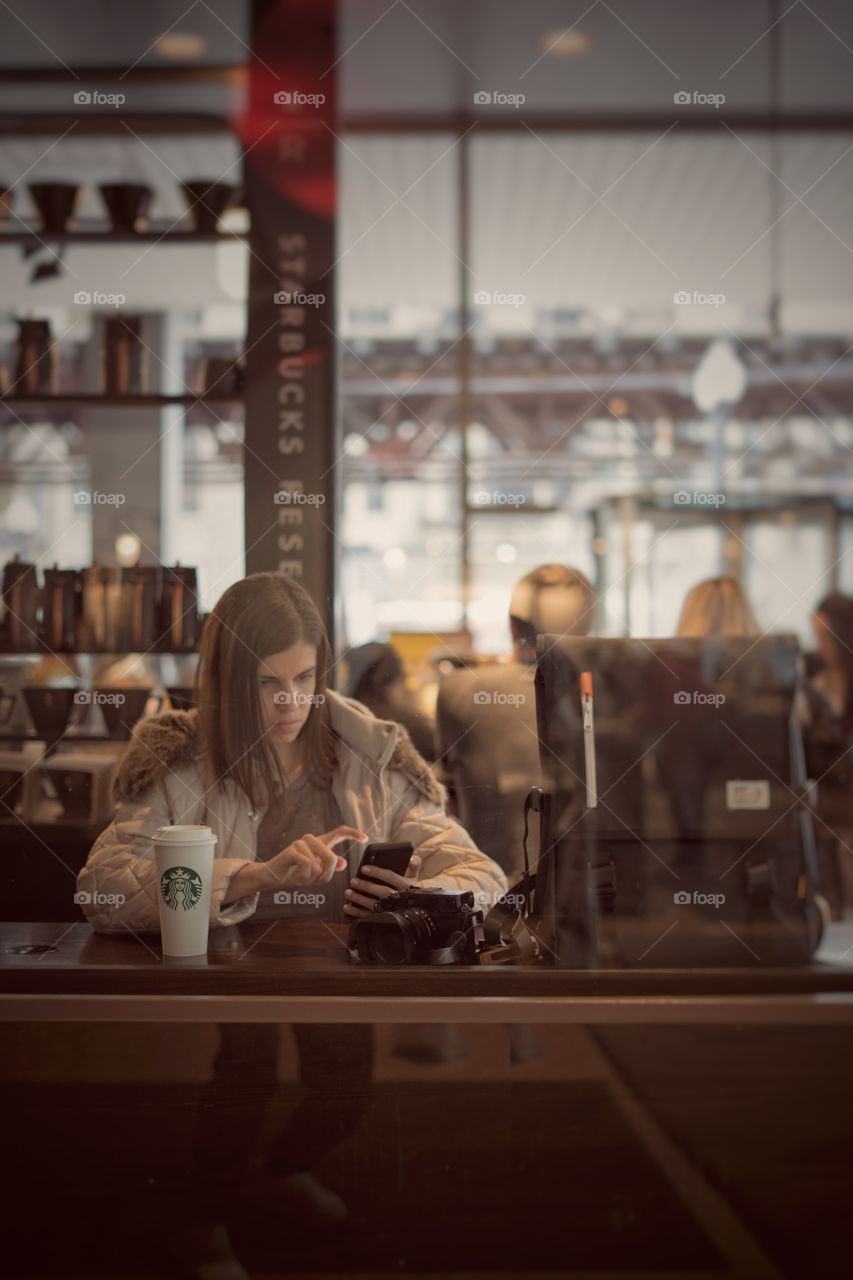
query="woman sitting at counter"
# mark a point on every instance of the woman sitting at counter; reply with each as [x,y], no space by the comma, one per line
[285,771]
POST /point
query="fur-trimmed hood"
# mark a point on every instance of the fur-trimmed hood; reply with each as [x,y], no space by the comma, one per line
[381,785]
[171,741]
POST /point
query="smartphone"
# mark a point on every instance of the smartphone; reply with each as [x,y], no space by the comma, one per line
[393,857]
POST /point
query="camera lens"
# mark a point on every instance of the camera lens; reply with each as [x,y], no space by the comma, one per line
[394,937]
[387,944]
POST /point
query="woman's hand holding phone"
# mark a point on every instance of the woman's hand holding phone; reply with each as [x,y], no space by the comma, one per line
[309,860]
[374,883]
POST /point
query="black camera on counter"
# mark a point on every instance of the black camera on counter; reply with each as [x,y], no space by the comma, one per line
[420,926]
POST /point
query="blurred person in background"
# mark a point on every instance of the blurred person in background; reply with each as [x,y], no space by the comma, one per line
[376,678]
[720,607]
[717,607]
[829,745]
[833,677]
[486,717]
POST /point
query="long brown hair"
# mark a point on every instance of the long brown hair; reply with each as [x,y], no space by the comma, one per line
[717,607]
[263,614]
[836,610]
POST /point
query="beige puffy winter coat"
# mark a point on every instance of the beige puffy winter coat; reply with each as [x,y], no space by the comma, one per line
[381,784]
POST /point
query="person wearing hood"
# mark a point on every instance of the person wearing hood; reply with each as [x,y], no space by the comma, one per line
[292,777]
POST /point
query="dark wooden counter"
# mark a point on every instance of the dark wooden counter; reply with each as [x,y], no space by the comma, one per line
[281,971]
[682,1123]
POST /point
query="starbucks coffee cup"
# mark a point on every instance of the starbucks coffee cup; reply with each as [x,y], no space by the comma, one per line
[184,860]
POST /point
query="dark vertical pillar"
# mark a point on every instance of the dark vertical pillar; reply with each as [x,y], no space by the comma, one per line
[291,193]
[466,288]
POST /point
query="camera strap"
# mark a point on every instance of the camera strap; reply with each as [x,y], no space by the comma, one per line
[453,953]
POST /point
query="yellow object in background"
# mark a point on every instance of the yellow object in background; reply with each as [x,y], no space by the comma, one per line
[421,651]
[421,648]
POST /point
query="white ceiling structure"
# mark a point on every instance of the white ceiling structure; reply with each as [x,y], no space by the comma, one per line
[613,224]
[682,212]
[426,57]
[606,222]
[423,58]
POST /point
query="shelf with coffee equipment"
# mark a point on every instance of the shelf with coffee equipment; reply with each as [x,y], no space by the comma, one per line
[126,205]
[50,756]
[115,651]
[126,382]
[66,739]
[47,829]
[102,608]
[142,400]
[51,717]
[106,235]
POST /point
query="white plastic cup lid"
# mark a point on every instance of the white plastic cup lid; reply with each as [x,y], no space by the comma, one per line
[184,835]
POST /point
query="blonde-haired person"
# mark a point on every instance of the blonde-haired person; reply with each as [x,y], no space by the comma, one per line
[720,607]
[713,608]
[717,607]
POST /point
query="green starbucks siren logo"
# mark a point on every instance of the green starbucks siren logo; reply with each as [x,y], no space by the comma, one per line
[180,888]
